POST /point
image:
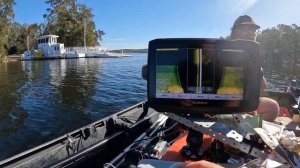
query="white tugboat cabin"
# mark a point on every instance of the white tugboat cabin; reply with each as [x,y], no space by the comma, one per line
[48,48]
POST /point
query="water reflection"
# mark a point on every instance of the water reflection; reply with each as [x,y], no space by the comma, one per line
[12,115]
[41,100]
[78,84]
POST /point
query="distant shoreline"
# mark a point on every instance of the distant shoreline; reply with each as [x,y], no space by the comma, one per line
[131,50]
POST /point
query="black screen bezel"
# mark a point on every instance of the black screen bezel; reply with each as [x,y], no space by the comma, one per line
[252,82]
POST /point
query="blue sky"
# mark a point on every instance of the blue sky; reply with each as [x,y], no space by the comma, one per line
[133,23]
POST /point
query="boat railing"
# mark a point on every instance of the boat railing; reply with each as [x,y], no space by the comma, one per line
[83,49]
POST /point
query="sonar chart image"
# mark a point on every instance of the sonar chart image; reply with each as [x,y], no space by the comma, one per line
[232,81]
[199,71]
[167,80]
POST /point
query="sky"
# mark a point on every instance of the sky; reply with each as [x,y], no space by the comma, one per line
[133,23]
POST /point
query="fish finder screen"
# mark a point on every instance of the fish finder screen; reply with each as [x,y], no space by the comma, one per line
[203,73]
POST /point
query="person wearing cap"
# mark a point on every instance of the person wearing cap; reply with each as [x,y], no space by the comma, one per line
[245,28]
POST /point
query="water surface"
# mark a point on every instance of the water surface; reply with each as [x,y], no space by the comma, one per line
[41,100]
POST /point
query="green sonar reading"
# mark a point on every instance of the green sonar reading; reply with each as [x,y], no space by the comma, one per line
[167,79]
[232,81]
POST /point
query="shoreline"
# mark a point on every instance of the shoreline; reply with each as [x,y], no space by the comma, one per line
[9,58]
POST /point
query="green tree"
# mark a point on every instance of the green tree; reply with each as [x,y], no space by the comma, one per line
[66,19]
[18,37]
[291,44]
[271,44]
[280,48]
[6,18]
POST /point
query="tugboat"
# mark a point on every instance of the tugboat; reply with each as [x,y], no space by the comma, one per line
[48,48]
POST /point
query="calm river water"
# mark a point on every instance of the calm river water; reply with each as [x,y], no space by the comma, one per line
[41,100]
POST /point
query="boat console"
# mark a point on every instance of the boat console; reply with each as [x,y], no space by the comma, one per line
[196,76]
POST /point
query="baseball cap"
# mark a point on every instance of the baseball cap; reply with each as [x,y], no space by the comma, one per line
[245,20]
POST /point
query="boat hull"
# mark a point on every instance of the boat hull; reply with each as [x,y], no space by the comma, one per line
[74,55]
[102,139]
[32,57]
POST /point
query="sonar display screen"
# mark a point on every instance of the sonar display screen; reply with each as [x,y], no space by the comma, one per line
[202,73]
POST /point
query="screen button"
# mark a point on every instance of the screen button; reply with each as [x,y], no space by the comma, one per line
[199,96]
[235,97]
[217,97]
[182,96]
[164,95]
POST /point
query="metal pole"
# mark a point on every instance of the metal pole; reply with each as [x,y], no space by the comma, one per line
[84,35]
[27,40]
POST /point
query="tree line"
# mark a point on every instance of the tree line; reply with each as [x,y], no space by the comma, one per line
[280,48]
[65,18]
